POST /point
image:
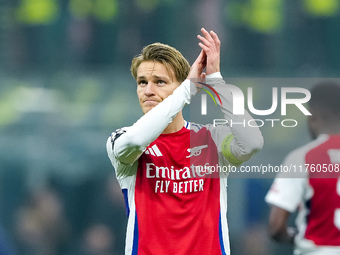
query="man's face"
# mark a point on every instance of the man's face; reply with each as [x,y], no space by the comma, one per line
[154,84]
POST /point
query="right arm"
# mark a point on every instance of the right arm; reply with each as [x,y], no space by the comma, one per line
[127,146]
[277,226]
[284,197]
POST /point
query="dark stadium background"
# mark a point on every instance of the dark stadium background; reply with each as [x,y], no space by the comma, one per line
[65,86]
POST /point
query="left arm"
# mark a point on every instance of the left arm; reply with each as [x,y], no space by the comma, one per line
[244,141]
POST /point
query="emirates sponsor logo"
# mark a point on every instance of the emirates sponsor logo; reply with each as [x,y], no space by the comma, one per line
[153,171]
[185,180]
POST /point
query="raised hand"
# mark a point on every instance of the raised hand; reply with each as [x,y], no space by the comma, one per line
[210,44]
[196,70]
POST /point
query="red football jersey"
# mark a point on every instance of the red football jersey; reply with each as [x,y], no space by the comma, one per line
[176,203]
[315,192]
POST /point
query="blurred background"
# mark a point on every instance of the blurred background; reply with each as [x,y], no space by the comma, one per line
[65,86]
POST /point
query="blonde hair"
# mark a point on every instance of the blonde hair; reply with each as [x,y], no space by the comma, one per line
[171,58]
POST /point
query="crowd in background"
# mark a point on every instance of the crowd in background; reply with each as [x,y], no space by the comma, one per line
[65,86]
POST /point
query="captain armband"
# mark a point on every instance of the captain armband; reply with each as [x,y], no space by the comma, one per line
[227,152]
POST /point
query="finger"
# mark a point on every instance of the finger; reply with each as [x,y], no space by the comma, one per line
[206,35]
[201,57]
[202,78]
[204,53]
[215,38]
[204,40]
[204,47]
[204,62]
